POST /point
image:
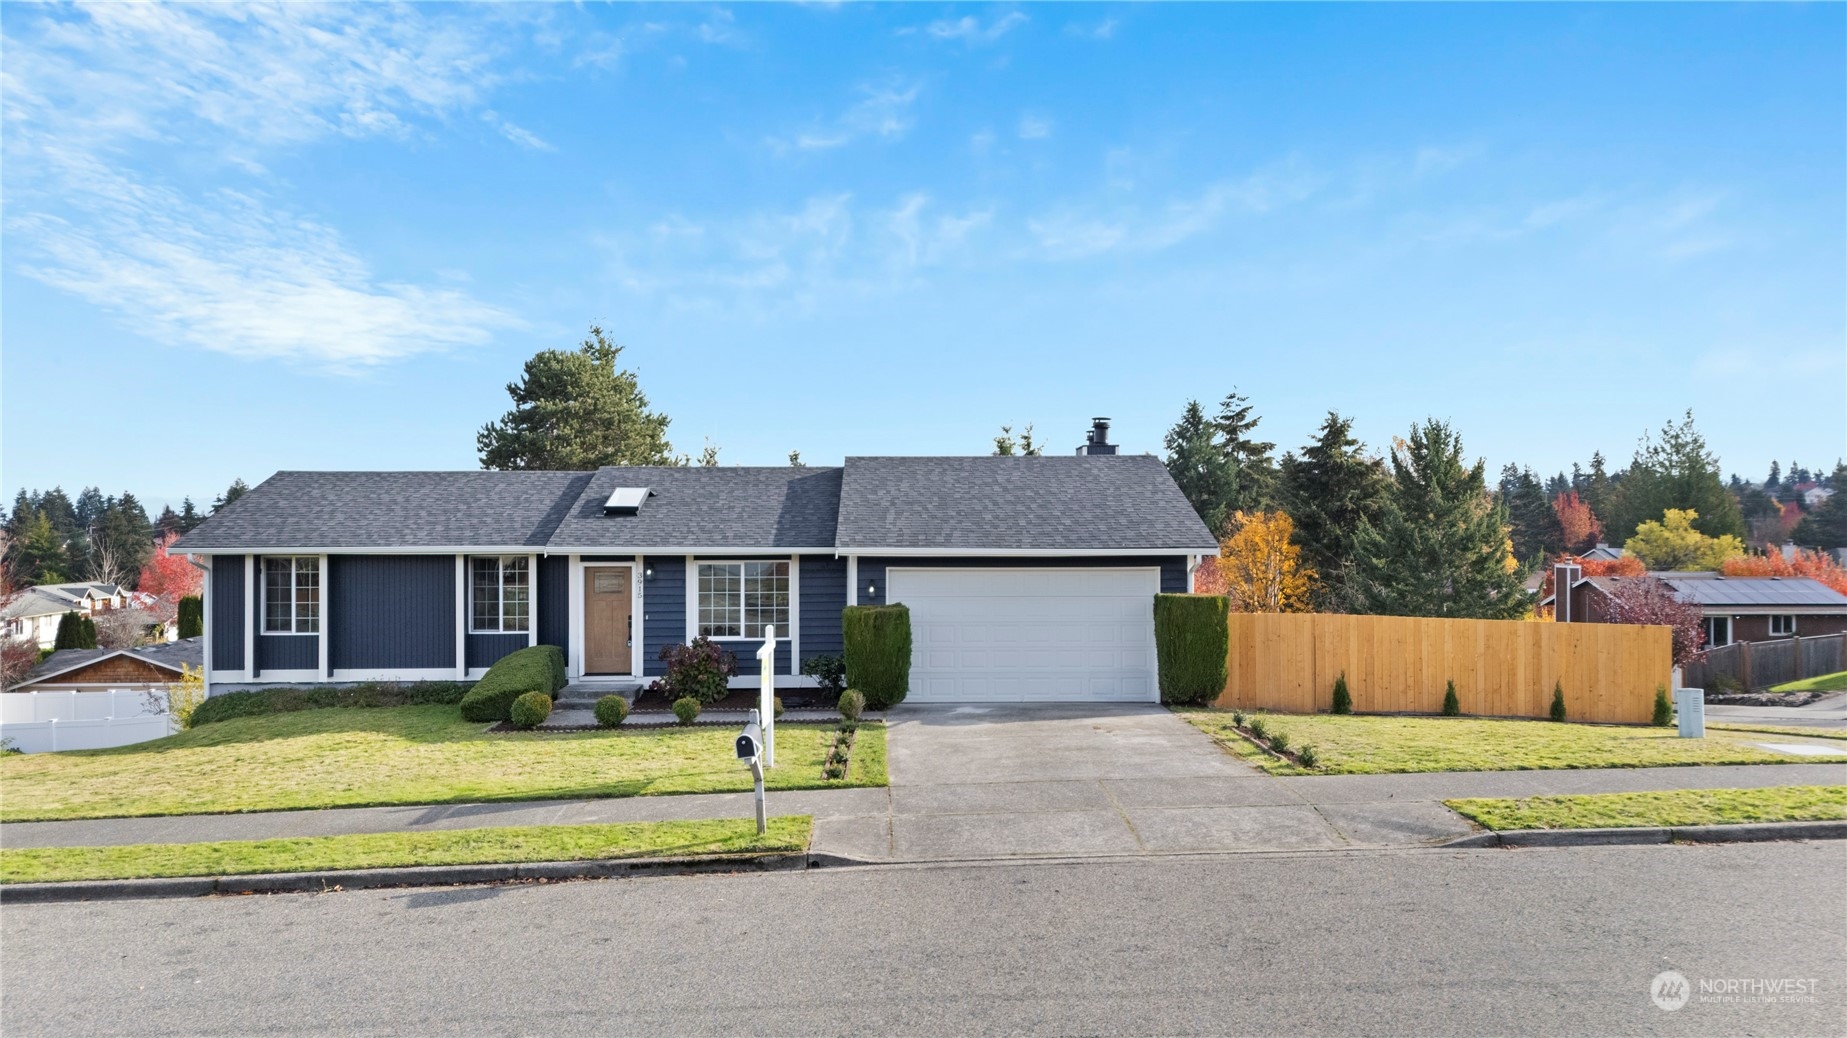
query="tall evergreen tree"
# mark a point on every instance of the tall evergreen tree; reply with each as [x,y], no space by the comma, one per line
[39,553]
[62,514]
[168,523]
[1332,490]
[1255,488]
[1774,481]
[1826,526]
[1441,548]
[189,515]
[573,409]
[237,489]
[1537,532]
[121,541]
[1201,468]
[1673,471]
[89,507]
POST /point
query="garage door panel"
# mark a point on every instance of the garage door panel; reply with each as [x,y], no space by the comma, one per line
[1030,635]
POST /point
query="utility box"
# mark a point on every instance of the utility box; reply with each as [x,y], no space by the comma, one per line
[1690,706]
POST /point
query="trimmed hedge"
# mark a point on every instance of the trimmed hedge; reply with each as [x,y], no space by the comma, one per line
[530,710]
[611,711]
[364,694]
[538,668]
[191,619]
[878,652]
[1191,638]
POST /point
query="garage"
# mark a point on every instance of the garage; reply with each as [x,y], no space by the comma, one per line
[1040,635]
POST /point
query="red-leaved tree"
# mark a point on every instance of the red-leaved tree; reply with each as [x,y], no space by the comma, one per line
[1645,600]
[17,654]
[1816,565]
[1580,524]
[168,578]
[1207,578]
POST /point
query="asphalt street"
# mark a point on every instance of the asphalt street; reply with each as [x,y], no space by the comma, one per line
[1426,942]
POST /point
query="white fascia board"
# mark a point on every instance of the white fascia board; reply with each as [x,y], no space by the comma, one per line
[1002,553]
[546,550]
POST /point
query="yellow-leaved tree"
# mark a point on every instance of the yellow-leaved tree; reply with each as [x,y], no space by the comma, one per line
[1261,569]
[1673,544]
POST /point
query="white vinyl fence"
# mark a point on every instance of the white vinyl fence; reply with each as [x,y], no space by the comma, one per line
[42,722]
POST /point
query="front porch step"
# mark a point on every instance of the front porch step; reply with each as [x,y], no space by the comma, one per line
[588,692]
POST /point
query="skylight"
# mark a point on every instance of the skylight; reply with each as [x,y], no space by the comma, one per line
[626,500]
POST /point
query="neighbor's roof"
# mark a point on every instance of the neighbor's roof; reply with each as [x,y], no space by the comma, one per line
[166,655]
[1081,503]
[1755,592]
[1073,504]
[45,599]
[707,507]
[381,510]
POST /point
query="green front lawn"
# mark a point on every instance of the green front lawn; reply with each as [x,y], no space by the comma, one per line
[1665,808]
[1375,745]
[402,755]
[1771,729]
[398,850]
[1834,682]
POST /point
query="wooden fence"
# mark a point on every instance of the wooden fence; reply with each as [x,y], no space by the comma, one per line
[1400,664]
[1763,664]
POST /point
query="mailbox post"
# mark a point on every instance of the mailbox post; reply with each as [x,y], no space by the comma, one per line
[766,705]
[750,747]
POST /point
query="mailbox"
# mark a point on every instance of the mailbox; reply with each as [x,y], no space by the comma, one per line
[750,741]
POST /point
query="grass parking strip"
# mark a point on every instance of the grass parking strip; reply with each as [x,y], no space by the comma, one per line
[398,850]
[1771,729]
[1363,744]
[1677,807]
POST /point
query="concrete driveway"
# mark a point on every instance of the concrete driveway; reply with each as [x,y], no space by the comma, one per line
[1015,781]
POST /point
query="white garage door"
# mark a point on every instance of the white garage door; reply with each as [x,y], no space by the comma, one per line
[1030,635]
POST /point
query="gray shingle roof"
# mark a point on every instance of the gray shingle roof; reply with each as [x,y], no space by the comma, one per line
[1081,503]
[188,651]
[1749,592]
[391,510]
[699,507]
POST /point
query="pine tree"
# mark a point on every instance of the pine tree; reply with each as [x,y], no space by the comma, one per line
[1332,490]
[1200,467]
[168,523]
[1255,473]
[1826,526]
[39,554]
[189,516]
[237,489]
[1774,481]
[1672,471]
[1441,548]
[574,409]
[121,541]
[1537,532]
[90,506]
[1597,486]
[70,632]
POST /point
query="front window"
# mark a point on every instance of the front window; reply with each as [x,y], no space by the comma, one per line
[739,599]
[1718,631]
[500,594]
[292,595]
[1782,625]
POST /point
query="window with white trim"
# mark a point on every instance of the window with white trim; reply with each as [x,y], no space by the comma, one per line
[1783,625]
[738,599]
[292,594]
[500,594]
[1718,631]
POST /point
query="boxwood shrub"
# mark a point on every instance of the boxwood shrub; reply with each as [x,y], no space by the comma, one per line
[364,694]
[611,711]
[878,651]
[530,710]
[1191,638]
[539,668]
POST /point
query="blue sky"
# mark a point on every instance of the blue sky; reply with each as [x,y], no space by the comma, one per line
[239,239]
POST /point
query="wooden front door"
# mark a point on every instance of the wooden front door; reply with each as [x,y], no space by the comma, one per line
[608,609]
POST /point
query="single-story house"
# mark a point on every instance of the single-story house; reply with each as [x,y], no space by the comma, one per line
[1028,578]
[1736,609]
[35,613]
[144,668]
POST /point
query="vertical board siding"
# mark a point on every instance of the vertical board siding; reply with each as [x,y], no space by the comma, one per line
[554,598]
[824,595]
[485,649]
[288,651]
[227,617]
[1401,664]
[390,612]
[663,609]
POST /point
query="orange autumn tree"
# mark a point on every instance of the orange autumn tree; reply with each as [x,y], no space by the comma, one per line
[1622,566]
[1814,564]
[1580,524]
[1259,567]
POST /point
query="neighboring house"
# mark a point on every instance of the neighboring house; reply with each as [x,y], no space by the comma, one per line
[1815,497]
[141,669]
[1604,553]
[1736,609]
[34,615]
[1028,578]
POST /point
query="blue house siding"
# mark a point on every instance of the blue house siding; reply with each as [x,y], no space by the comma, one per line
[1173,568]
[390,612]
[227,612]
[663,609]
[554,598]
[288,651]
[824,595]
[485,649]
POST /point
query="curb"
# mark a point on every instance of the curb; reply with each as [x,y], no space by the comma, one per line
[411,876]
[1750,832]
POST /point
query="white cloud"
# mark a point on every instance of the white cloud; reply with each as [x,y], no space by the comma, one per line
[721,28]
[971,31]
[1076,233]
[221,266]
[883,111]
[1103,30]
[1033,128]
